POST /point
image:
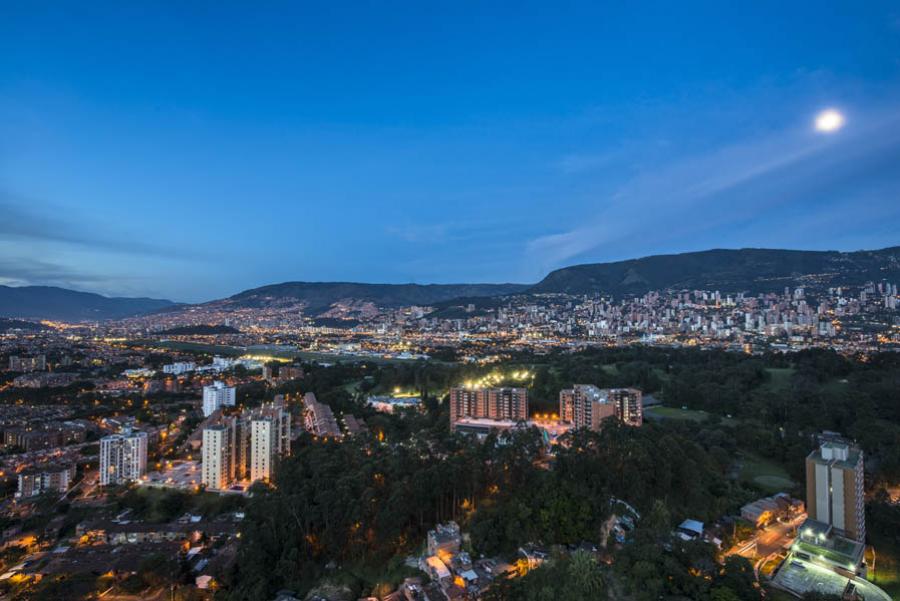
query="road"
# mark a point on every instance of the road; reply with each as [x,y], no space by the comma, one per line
[773,538]
[767,543]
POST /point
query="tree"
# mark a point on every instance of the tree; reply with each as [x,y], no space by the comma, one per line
[723,594]
[585,581]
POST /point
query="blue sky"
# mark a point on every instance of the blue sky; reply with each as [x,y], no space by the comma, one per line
[191,150]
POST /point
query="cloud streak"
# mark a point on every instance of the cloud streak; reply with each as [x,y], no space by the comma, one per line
[723,187]
[22,271]
[20,224]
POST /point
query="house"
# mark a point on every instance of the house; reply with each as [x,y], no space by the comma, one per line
[764,511]
[444,540]
[532,555]
[689,530]
[437,570]
[122,533]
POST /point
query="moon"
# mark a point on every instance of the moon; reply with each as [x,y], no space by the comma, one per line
[829,121]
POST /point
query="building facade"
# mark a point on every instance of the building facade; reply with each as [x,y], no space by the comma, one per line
[262,452]
[835,488]
[46,479]
[123,457]
[27,364]
[217,395]
[245,447]
[629,404]
[587,406]
[489,403]
[218,456]
[179,368]
[318,419]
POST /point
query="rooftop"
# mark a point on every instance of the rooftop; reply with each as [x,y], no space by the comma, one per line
[840,454]
[800,577]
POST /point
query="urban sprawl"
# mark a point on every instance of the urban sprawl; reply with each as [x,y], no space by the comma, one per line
[132,455]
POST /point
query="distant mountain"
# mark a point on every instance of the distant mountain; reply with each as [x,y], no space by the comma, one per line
[320,296]
[50,302]
[752,270]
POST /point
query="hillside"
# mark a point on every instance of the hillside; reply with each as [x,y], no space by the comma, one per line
[50,302]
[319,296]
[10,325]
[749,269]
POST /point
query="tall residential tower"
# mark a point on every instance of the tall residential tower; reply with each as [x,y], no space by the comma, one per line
[123,457]
[586,406]
[491,403]
[834,488]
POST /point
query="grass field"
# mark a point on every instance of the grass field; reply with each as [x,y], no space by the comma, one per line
[765,474]
[693,415]
[887,564]
[660,412]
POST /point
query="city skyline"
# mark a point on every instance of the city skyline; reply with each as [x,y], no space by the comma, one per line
[191,154]
[450,301]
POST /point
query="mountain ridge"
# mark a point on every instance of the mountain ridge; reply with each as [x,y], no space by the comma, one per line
[751,270]
[53,302]
[322,295]
[728,270]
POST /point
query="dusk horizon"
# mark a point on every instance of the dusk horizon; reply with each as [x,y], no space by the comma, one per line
[440,283]
[145,153]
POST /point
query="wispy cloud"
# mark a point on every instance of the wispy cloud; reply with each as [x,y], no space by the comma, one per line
[579,163]
[23,222]
[22,271]
[450,231]
[721,187]
[421,233]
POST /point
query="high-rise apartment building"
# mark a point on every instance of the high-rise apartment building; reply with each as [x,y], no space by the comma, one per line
[123,457]
[217,395]
[586,406]
[318,418]
[490,403]
[834,488]
[262,441]
[629,405]
[246,447]
[218,456]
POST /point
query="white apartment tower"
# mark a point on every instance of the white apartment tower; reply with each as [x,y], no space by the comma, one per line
[218,456]
[246,447]
[262,448]
[217,395]
[123,457]
[835,493]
